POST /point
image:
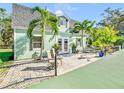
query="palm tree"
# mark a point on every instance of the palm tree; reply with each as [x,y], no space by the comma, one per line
[6,31]
[54,21]
[82,27]
[45,20]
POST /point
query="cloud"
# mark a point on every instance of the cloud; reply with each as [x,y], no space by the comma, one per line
[70,7]
[65,7]
[59,12]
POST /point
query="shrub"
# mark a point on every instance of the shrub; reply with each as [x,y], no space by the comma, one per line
[74,46]
[35,55]
[6,56]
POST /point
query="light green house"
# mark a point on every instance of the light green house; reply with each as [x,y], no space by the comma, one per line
[24,49]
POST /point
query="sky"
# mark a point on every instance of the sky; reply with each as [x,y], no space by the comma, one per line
[76,11]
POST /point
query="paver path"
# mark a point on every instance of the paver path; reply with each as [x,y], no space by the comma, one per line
[23,75]
[106,73]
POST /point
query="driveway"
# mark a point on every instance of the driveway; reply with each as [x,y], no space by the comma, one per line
[24,75]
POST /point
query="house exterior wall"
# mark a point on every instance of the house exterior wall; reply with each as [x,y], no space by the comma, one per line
[22,43]
[21,19]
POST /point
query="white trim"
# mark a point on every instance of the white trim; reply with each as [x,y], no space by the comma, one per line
[25,28]
[36,49]
[63,51]
[68,24]
[20,27]
[37,35]
[64,43]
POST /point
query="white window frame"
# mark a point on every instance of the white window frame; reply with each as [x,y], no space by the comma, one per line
[33,43]
[63,50]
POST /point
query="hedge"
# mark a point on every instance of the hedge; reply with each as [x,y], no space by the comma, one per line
[6,56]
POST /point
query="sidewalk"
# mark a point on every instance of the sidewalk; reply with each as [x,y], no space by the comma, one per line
[23,75]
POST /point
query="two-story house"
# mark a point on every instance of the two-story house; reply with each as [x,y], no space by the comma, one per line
[23,48]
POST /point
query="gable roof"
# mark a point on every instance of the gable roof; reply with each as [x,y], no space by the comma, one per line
[72,22]
[22,16]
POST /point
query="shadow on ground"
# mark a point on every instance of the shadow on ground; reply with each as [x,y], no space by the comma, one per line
[44,68]
[27,79]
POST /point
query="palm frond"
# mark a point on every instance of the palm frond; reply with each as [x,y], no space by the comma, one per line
[77,26]
[43,12]
[90,25]
[31,27]
[53,23]
[36,9]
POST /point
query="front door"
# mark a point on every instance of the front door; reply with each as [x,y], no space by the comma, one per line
[64,46]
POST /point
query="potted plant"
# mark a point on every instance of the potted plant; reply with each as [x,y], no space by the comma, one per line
[101,53]
[35,55]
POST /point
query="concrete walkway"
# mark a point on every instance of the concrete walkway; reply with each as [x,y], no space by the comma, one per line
[23,75]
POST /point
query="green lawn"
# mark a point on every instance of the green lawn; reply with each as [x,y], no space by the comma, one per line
[107,72]
[6,63]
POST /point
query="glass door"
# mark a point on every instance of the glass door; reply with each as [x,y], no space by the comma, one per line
[65,45]
[60,44]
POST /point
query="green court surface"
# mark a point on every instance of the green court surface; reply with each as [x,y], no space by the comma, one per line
[106,73]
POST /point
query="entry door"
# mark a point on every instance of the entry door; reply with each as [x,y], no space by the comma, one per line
[64,46]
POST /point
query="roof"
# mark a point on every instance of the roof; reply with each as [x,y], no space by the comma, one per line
[22,16]
[72,22]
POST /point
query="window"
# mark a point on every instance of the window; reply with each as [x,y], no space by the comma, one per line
[36,42]
[65,44]
[60,44]
[66,23]
[63,22]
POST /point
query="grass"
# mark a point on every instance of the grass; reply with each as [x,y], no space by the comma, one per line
[6,63]
[5,50]
[106,73]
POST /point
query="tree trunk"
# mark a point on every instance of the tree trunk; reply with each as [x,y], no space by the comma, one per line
[41,48]
[55,58]
[82,41]
[55,63]
[105,51]
[122,46]
[42,40]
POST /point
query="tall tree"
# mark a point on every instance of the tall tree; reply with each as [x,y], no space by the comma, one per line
[6,31]
[83,27]
[54,22]
[114,18]
[45,20]
[105,37]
